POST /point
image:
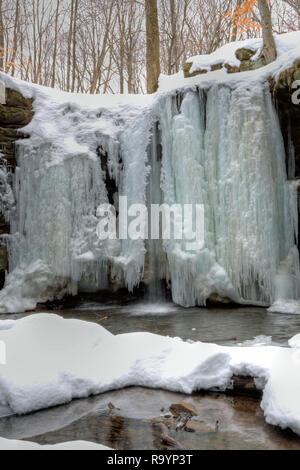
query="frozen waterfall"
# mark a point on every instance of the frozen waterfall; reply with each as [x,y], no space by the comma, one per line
[221,147]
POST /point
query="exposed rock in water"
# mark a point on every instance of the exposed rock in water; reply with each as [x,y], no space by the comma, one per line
[218,299]
[198,426]
[178,408]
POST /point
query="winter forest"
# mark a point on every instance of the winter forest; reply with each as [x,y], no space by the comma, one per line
[149,228]
[99,46]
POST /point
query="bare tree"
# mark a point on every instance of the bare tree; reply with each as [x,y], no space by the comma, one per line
[110,46]
[55,45]
[153,46]
[2,45]
[295,4]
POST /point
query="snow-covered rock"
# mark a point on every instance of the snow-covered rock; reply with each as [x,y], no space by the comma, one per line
[285,44]
[288,52]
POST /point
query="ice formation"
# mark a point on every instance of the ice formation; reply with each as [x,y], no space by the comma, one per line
[51,361]
[218,144]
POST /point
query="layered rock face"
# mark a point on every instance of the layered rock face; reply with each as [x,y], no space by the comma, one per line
[15,114]
[289,112]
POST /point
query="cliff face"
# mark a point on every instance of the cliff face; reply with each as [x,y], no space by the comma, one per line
[14,114]
[289,112]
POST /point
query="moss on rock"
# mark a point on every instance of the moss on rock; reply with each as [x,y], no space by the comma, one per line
[186,70]
[217,67]
[244,54]
[16,100]
[231,68]
[14,115]
[247,65]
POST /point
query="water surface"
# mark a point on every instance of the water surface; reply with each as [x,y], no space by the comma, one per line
[126,419]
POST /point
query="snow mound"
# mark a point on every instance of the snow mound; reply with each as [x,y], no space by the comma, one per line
[7,324]
[26,287]
[291,307]
[6,444]
[52,361]
[295,342]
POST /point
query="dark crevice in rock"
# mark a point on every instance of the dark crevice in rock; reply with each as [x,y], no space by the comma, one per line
[289,116]
[110,183]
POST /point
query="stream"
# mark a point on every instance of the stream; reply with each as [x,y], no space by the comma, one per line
[125,419]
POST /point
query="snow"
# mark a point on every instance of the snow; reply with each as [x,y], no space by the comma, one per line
[27,287]
[51,361]
[295,342]
[222,147]
[288,52]
[226,54]
[291,307]
[6,444]
[7,324]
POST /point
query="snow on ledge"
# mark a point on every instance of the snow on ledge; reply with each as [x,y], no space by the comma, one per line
[288,52]
[52,361]
[226,54]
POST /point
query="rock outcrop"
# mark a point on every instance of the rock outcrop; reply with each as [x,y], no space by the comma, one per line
[15,114]
[245,56]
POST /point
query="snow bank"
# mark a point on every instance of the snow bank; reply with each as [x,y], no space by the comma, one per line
[6,444]
[51,361]
[29,286]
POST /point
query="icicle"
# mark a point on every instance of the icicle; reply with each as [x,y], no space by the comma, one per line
[235,166]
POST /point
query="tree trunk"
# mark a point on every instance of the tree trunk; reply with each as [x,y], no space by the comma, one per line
[173,49]
[153,47]
[69,60]
[269,49]
[1,40]
[55,45]
[74,46]
[15,43]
